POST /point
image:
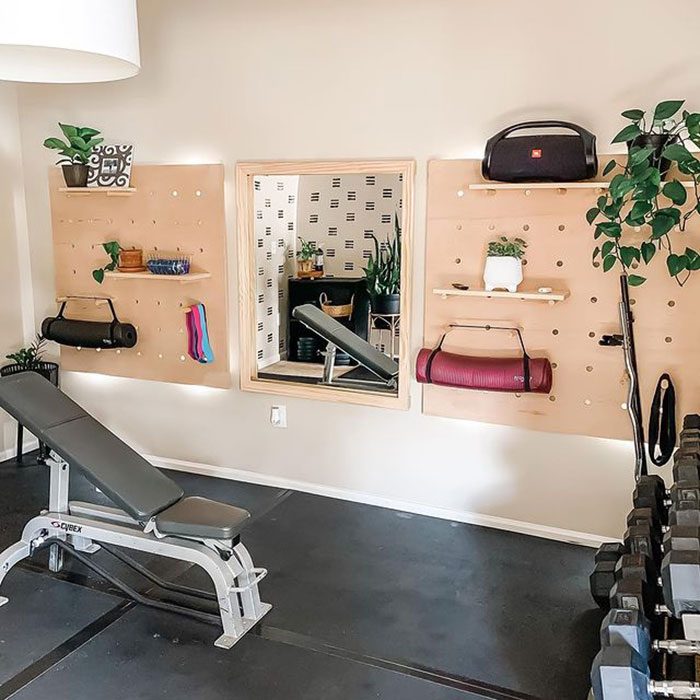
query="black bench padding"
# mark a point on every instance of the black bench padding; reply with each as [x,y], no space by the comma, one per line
[342,337]
[119,472]
[194,516]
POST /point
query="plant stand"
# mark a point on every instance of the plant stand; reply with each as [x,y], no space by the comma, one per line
[48,370]
[392,323]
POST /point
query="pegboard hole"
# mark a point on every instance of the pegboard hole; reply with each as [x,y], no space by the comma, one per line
[174,193]
[586,402]
[138,353]
[594,300]
[160,355]
[555,331]
[182,358]
[75,272]
[528,193]
[554,365]
[589,368]
[633,302]
[78,348]
[560,263]
[596,264]
[199,222]
[201,250]
[526,227]
[517,396]
[198,193]
[591,334]
[492,227]
[153,221]
[460,193]
[459,227]
[458,260]
[668,339]
[98,349]
[623,406]
[524,261]
[671,303]
[157,302]
[552,398]
[561,227]
[119,352]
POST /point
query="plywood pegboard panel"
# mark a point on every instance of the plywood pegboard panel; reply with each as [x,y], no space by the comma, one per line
[174,209]
[590,387]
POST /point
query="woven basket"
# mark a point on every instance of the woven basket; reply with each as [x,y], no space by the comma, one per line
[336,310]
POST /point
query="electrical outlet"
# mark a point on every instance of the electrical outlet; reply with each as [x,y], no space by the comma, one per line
[278,416]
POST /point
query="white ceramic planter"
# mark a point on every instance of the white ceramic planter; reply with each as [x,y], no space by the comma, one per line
[503,273]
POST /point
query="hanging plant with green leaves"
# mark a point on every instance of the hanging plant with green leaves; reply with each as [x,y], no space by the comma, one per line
[639,196]
[113,249]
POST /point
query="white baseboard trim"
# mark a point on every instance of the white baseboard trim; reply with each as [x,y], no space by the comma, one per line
[28,445]
[492,521]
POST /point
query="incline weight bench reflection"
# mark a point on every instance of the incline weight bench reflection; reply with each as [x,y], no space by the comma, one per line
[153,516]
[337,336]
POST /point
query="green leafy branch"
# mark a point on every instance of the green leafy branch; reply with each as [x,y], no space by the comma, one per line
[113,249]
[81,143]
[639,197]
[307,250]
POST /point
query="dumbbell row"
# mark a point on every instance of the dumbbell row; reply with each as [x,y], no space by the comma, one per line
[659,559]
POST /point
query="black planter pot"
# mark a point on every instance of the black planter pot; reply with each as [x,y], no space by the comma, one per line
[75,175]
[658,142]
[386,304]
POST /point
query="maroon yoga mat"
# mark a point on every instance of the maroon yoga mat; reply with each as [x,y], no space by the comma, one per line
[489,373]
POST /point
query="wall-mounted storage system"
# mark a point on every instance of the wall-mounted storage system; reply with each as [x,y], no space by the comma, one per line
[177,209]
[589,387]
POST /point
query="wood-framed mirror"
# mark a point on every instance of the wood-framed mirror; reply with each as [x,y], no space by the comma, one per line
[324,250]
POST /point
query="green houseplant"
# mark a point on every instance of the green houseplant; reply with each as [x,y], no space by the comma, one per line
[383,273]
[75,153]
[634,219]
[29,358]
[113,249]
[305,257]
[504,268]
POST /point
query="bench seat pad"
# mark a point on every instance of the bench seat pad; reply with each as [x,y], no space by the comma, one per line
[198,517]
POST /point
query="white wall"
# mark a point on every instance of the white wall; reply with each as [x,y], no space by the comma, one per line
[12,223]
[227,80]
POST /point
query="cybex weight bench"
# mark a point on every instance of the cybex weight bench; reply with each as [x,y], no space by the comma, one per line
[153,516]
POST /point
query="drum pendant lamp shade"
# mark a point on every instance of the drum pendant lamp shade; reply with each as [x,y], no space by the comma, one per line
[68,41]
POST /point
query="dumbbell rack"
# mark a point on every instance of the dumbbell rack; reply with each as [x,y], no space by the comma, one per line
[650,583]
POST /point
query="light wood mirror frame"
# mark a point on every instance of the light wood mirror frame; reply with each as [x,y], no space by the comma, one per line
[245,201]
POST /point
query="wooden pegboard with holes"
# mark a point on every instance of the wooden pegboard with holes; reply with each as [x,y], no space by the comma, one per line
[173,209]
[590,388]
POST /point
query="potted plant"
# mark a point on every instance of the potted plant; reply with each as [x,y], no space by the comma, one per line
[305,258]
[122,259]
[383,274]
[504,266]
[30,359]
[635,217]
[76,153]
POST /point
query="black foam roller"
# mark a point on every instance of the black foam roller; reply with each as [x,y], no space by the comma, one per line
[89,334]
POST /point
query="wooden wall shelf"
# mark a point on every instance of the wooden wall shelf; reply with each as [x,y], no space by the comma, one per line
[181,279]
[552,297]
[87,191]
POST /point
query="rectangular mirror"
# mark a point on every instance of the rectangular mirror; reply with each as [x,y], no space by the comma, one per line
[325,283]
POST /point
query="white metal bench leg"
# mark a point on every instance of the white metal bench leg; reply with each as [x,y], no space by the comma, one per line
[253,608]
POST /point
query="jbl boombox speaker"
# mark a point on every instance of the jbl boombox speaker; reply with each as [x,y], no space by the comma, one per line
[509,374]
[541,157]
[89,334]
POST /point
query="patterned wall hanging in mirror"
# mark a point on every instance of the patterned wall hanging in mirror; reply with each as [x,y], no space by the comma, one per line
[110,166]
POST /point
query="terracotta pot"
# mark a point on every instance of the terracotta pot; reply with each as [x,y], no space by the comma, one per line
[75,175]
[131,259]
[305,266]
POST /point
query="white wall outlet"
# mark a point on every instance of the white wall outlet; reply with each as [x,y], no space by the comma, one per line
[278,416]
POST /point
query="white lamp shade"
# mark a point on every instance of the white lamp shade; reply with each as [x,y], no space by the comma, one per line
[68,41]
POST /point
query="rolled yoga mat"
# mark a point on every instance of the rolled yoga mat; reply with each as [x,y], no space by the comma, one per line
[89,334]
[486,373]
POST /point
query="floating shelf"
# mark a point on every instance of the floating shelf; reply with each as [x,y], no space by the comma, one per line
[181,279]
[109,191]
[586,185]
[552,297]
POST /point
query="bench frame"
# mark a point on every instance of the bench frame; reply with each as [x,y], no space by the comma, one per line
[83,526]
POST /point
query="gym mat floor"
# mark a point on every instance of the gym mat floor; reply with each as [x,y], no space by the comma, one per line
[368,603]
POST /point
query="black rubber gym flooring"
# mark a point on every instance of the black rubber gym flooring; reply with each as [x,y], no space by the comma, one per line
[368,603]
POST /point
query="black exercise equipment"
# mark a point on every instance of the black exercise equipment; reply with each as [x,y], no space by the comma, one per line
[542,157]
[662,422]
[89,334]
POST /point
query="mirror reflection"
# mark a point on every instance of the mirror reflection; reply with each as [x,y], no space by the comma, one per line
[328,269]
